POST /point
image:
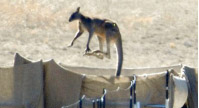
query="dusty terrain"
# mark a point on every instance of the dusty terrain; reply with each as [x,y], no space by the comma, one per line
[155,32]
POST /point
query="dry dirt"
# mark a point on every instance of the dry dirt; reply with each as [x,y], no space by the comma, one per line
[155,32]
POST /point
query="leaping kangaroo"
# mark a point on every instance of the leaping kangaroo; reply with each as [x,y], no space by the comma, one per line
[106,30]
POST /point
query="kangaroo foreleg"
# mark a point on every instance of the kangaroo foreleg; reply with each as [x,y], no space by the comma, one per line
[88,43]
[78,34]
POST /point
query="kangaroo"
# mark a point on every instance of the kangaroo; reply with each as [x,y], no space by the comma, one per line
[106,31]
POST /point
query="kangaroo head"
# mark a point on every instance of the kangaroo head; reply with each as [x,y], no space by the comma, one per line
[75,15]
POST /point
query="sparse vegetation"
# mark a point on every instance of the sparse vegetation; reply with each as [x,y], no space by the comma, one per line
[155,33]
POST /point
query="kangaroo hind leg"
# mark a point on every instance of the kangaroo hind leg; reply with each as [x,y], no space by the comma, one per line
[101,42]
[98,53]
[107,53]
[108,47]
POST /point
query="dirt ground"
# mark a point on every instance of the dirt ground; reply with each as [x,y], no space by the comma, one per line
[154,32]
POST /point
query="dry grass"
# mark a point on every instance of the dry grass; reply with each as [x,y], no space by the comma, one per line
[31,14]
[155,33]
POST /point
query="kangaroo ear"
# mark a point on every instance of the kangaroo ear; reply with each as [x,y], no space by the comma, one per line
[78,9]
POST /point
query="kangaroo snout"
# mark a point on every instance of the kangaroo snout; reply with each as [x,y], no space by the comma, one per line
[70,19]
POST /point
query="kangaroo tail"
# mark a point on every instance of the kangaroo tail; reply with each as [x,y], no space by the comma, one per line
[120,55]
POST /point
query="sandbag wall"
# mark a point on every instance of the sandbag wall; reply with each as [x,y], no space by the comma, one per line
[50,85]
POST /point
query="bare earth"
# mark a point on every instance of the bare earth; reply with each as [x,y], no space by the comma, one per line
[155,32]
